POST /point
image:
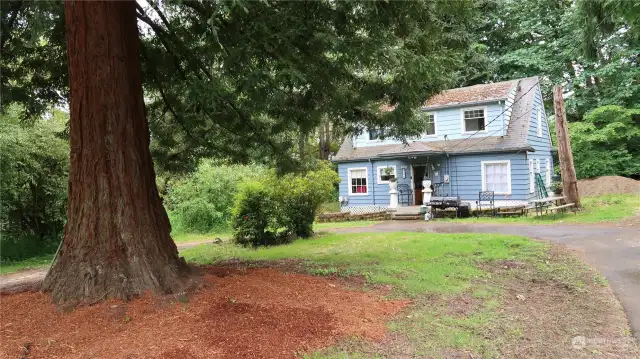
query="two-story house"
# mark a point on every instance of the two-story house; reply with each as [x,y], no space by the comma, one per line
[490,137]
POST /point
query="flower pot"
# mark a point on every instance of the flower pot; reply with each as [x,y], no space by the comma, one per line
[393,185]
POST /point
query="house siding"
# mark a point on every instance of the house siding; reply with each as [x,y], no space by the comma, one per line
[377,193]
[465,178]
[542,145]
[449,122]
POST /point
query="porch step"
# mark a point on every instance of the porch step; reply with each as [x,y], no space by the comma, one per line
[406,216]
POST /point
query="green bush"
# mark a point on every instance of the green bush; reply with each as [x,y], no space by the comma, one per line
[251,214]
[33,178]
[202,201]
[279,208]
[298,197]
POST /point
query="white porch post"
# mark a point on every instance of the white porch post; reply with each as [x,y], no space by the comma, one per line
[393,198]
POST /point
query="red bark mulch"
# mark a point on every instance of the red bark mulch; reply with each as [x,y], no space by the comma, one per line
[238,313]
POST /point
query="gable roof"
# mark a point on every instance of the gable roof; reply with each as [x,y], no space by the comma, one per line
[514,140]
[477,93]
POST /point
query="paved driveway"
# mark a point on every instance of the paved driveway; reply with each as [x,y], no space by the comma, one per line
[614,251]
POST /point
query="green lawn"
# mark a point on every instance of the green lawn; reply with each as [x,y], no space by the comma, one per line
[434,270]
[31,263]
[331,225]
[607,208]
[197,237]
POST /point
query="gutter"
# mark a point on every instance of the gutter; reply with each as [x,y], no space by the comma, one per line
[463,104]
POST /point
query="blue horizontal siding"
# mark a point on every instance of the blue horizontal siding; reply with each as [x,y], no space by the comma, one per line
[542,145]
[465,177]
[449,122]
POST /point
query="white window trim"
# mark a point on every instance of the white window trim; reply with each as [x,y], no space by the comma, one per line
[538,165]
[548,174]
[539,118]
[532,187]
[366,173]
[380,181]
[462,124]
[435,126]
[484,181]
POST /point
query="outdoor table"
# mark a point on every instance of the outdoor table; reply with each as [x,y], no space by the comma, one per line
[543,202]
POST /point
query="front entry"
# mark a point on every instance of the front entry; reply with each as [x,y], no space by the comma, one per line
[418,176]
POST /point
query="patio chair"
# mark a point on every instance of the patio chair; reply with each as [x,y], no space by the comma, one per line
[486,200]
[405,194]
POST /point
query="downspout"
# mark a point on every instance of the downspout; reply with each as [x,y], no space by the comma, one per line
[373,183]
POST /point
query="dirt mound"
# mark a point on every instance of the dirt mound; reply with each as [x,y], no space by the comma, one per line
[239,313]
[608,185]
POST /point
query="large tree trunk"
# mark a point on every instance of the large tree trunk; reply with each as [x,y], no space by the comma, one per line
[116,241]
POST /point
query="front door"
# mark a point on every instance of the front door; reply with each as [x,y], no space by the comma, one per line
[418,176]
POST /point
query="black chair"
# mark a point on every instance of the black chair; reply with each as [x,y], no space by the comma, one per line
[405,194]
[438,189]
[486,199]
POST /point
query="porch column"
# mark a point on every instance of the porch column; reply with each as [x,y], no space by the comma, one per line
[393,198]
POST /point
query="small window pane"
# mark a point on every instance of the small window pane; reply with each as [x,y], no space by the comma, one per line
[386,177]
[430,125]
[474,120]
[376,134]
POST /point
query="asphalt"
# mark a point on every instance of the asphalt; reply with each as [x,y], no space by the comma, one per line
[613,251]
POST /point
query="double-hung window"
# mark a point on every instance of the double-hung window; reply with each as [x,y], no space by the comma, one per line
[376,134]
[474,120]
[496,176]
[430,124]
[358,181]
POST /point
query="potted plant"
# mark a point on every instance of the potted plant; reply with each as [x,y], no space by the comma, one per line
[393,182]
[556,187]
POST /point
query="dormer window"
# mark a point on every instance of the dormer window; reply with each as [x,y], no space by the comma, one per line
[376,134]
[430,124]
[474,120]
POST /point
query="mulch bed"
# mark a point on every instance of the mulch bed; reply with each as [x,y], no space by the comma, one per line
[237,313]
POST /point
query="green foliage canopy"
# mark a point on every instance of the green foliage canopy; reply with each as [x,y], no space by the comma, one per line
[607,142]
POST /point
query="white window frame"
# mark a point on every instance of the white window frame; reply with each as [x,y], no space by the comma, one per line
[532,182]
[366,174]
[380,181]
[463,123]
[539,118]
[484,180]
[537,165]
[548,174]
[435,126]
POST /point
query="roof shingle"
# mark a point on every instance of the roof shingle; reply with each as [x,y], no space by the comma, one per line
[515,139]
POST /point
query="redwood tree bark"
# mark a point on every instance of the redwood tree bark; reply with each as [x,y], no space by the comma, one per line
[117,238]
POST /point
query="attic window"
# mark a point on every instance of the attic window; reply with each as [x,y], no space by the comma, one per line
[474,120]
[376,134]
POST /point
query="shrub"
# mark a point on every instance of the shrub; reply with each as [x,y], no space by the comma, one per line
[250,215]
[279,208]
[298,197]
[202,201]
[33,178]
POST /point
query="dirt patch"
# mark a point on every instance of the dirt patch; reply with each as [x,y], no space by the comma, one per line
[238,313]
[608,185]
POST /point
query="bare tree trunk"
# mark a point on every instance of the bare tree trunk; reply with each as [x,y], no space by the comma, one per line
[116,240]
[325,139]
[567,169]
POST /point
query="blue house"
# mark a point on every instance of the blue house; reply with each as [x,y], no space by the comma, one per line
[490,137]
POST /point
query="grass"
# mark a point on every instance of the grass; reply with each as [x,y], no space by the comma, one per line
[31,263]
[437,271]
[600,209]
[196,237]
[331,225]
[413,263]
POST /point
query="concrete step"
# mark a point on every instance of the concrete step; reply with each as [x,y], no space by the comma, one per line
[407,217]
